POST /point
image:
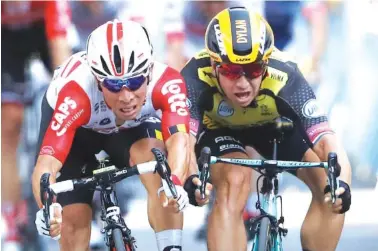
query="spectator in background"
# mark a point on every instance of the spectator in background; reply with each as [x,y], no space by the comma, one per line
[27,28]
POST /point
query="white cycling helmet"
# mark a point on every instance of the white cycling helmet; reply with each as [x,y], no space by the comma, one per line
[119,50]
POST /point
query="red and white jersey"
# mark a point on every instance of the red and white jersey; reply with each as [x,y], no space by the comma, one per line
[77,101]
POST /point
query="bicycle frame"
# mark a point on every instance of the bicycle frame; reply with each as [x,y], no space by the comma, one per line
[268,208]
[111,216]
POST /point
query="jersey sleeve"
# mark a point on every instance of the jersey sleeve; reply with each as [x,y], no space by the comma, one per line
[170,96]
[71,111]
[196,95]
[57,18]
[299,103]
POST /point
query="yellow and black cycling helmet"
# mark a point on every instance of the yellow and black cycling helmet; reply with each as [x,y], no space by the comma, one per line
[239,36]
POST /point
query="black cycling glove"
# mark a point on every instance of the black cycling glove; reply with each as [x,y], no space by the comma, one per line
[190,188]
[346,197]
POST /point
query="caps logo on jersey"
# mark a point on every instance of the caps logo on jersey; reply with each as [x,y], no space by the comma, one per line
[224,109]
[311,109]
[64,110]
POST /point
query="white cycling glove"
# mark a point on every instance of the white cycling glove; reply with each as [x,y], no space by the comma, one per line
[182,195]
[41,224]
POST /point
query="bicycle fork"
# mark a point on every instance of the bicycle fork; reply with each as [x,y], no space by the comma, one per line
[268,208]
[112,219]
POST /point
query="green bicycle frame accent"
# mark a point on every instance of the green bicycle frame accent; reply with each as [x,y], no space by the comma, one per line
[269,204]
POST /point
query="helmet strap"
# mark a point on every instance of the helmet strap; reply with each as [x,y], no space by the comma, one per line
[150,73]
[99,86]
[217,77]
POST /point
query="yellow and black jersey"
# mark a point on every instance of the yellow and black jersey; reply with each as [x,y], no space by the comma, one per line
[283,92]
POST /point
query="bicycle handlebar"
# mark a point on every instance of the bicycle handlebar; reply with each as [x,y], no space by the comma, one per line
[106,176]
[279,165]
[333,169]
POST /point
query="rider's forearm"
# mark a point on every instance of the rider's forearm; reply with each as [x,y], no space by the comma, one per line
[45,164]
[329,143]
[193,168]
[178,154]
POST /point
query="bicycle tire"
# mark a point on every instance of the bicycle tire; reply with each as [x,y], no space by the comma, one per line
[265,240]
[119,244]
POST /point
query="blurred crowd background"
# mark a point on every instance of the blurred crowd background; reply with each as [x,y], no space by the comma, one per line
[335,44]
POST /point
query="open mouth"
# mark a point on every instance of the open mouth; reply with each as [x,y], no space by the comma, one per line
[128,109]
[243,95]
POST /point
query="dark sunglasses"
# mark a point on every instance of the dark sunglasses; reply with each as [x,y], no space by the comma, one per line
[235,71]
[115,85]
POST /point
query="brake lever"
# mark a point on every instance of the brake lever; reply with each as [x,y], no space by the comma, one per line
[333,172]
[47,196]
[204,161]
[164,171]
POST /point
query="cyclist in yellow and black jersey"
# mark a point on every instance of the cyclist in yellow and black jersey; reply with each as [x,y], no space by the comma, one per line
[283,92]
[238,84]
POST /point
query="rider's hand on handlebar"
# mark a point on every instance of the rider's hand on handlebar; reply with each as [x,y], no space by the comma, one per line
[55,222]
[167,198]
[174,205]
[196,183]
[343,200]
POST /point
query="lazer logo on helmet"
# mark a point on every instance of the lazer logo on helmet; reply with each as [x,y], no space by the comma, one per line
[241,31]
[62,113]
[243,59]
[178,100]
[218,34]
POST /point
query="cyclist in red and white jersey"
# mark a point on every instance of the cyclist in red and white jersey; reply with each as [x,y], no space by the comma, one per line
[111,97]
[28,28]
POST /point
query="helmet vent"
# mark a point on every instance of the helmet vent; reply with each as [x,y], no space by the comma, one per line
[104,66]
[98,72]
[117,59]
[140,66]
[131,62]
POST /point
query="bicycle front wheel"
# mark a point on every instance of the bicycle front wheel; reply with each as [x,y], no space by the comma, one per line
[118,240]
[265,240]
